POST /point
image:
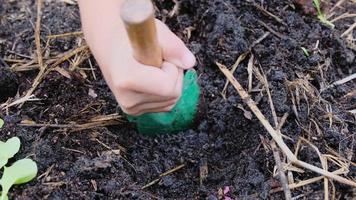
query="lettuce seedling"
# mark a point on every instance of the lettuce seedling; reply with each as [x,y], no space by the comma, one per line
[8,149]
[22,171]
[1,123]
[321,15]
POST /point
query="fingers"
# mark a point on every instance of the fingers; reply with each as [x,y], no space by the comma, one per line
[150,103]
[173,48]
[152,107]
[163,109]
[151,80]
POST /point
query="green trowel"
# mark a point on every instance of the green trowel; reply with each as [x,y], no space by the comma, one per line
[138,17]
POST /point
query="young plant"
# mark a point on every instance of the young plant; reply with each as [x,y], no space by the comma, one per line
[22,171]
[321,15]
[8,149]
[305,51]
[1,123]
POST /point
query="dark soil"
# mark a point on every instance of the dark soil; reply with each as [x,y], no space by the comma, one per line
[8,84]
[226,141]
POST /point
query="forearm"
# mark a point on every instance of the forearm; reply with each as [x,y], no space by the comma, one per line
[138,88]
[101,19]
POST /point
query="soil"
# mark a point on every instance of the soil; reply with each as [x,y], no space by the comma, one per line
[229,147]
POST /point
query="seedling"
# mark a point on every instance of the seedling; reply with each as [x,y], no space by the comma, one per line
[321,15]
[1,123]
[305,51]
[22,171]
[8,149]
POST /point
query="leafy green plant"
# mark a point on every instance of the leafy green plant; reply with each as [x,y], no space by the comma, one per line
[8,149]
[22,171]
[305,51]
[321,15]
[1,123]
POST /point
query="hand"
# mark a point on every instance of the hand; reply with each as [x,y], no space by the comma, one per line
[138,88]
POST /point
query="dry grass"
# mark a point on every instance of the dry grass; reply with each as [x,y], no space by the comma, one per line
[276,136]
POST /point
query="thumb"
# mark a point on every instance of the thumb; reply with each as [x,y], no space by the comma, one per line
[173,48]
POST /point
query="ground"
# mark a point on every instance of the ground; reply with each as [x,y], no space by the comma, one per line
[228,149]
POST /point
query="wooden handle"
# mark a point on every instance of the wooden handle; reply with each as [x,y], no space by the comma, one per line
[139,19]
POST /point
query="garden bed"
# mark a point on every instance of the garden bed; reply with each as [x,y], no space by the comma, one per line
[72,126]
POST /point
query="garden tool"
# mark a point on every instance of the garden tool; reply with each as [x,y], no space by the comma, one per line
[138,17]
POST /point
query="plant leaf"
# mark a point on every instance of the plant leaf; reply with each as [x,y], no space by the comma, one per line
[305,51]
[8,149]
[1,123]
[22,171]
[6,198]
[3,162]
[317,6]
[321,15]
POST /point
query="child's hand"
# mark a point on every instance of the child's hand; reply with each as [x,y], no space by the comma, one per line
[138,88]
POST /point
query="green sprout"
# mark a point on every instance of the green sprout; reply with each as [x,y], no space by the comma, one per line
[321,15]
[1,123]
[305,51]
[8,149]
[22,171]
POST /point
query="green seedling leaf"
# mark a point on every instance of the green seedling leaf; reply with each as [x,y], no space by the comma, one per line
[8,149]
[321,15]
[1,123]
[317,6]
[305,51]
[22,171]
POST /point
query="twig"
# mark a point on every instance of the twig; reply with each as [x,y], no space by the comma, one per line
[242,58]
[282,176]
[342,81]
[73,150]
[345,80]
[352,27]
[250,72]
[343,16]
[71,2]
[42,72]
[19,54]
[271,30]
[266,12]
[324,164]
[303,183]
[100,121]
[163,175]
[259,40]
[55,184]
[19,101]
[69,54]
[283,120]
[45,174]
[233,68]
[77,33]
[338,4]
[38,34]
[247,99]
